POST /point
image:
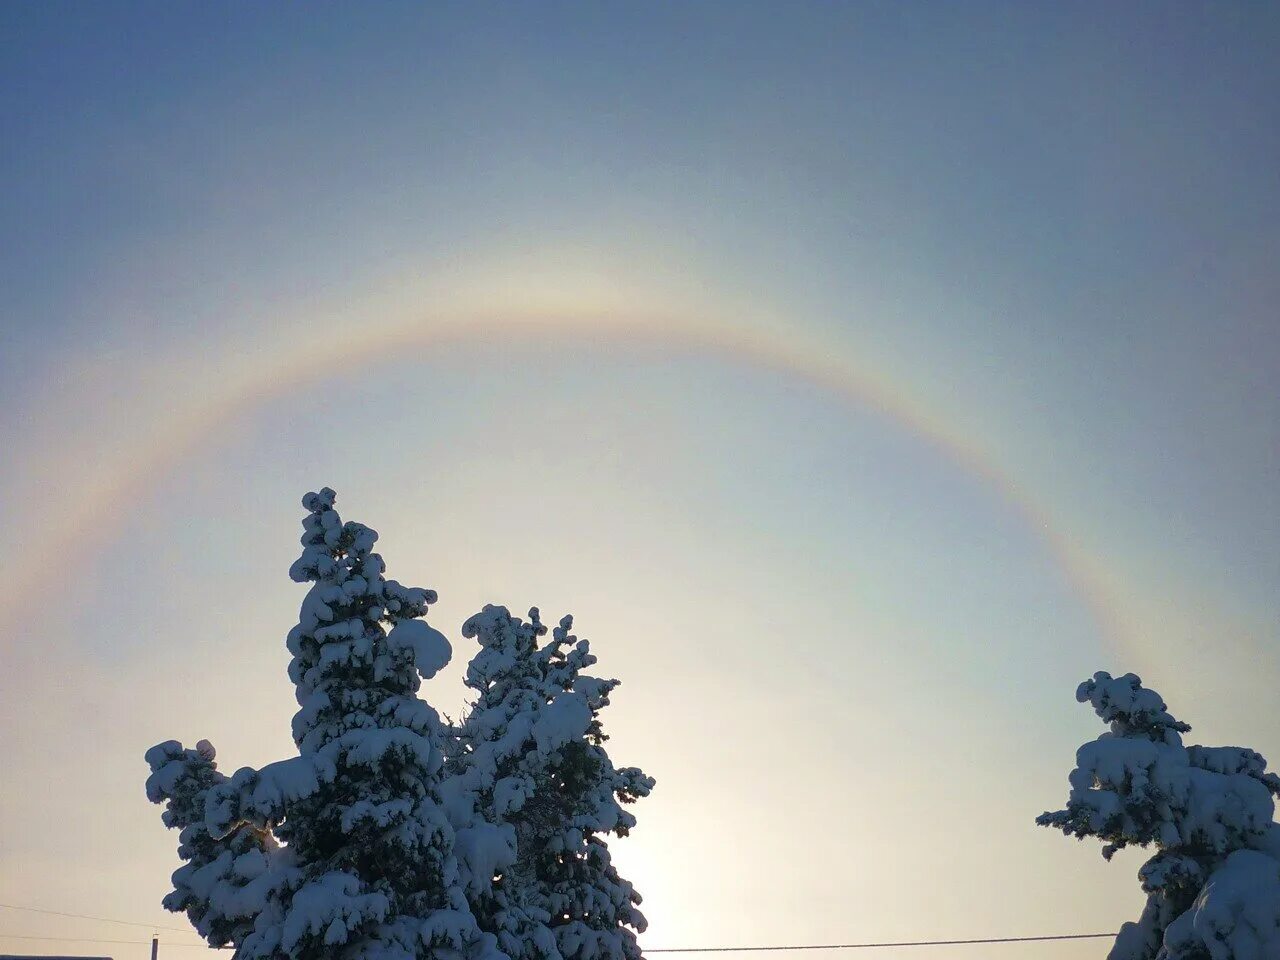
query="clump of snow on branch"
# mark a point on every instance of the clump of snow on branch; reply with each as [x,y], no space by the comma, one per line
[1213,886]
[225,878]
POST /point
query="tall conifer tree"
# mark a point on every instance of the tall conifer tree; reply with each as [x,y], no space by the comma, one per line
[368,869]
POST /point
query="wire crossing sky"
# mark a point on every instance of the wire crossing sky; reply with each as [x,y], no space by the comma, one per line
[739,949]
[840,946]
[861,377]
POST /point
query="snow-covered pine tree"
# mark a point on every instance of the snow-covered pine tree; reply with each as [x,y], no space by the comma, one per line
[531,755]
[1213,886]
[368,869]
[595,912]
[494,766]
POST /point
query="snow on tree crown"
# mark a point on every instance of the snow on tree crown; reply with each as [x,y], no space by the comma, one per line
[339,626]
[1130,708]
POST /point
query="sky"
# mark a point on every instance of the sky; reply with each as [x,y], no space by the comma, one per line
[861,377]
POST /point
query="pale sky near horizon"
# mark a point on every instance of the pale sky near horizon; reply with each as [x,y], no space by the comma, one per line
[862,377]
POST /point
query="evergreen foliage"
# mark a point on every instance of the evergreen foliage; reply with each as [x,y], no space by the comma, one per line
[367,866]
[1213,885]
[364,845]
[531,761]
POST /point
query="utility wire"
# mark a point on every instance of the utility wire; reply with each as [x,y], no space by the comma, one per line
[803,946]
[746,949]
[82,916]
[868,946]
[136,943]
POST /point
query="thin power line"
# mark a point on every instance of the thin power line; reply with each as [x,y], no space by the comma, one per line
[868,946]
[749,949]
[136,943]
[82,916]
[742,949]
[20,936]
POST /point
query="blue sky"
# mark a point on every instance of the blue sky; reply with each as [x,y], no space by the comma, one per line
[250,250]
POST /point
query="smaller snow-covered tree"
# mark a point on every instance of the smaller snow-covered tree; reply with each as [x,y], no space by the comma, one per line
[531,757]
[595,912]
[1213,886]
[494,770]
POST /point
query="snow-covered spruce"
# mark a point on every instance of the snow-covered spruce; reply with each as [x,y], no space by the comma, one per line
[1213,886]
[535,793]
[368,867]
